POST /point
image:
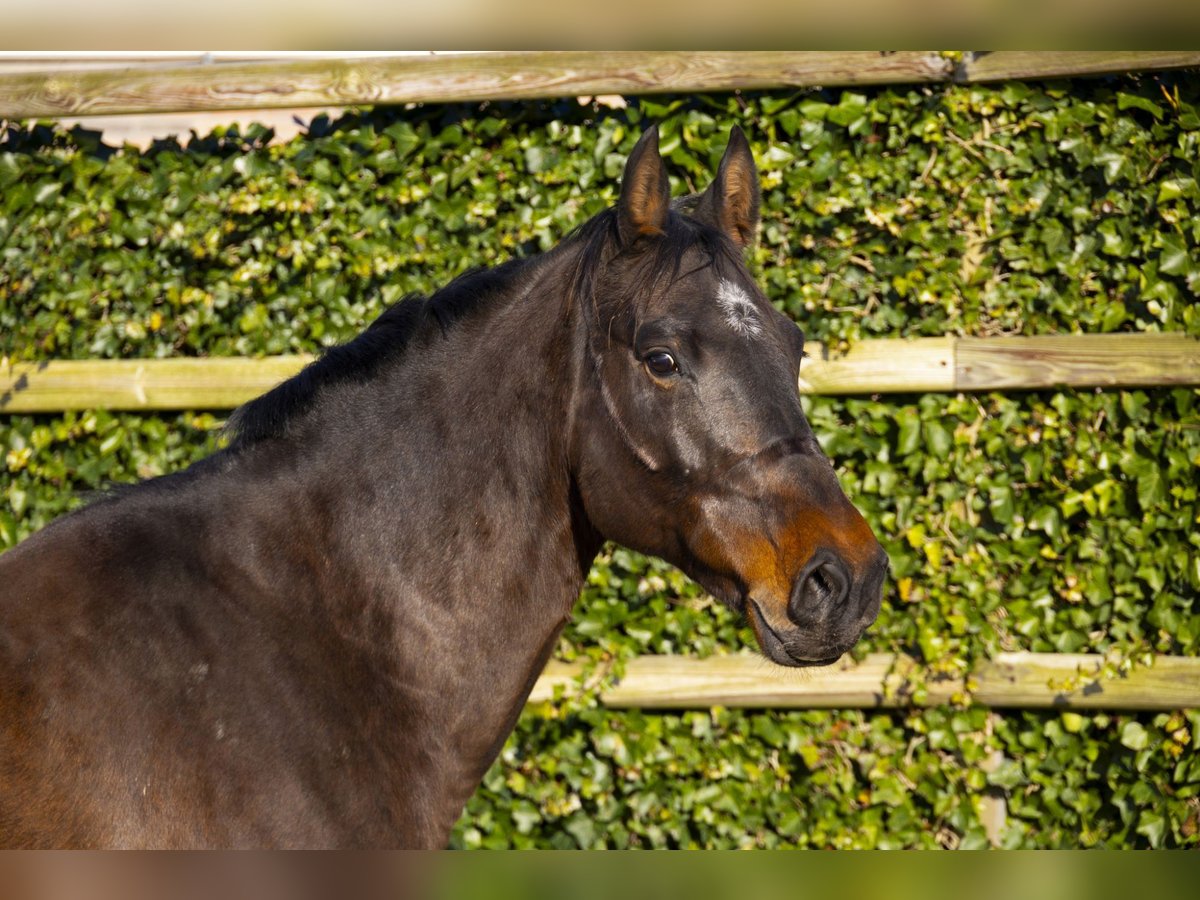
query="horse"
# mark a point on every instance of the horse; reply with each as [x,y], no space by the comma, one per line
[322,634]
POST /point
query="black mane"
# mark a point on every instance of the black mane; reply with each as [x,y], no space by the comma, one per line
[384,341]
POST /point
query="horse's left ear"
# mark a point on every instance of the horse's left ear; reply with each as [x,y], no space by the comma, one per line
[731,201]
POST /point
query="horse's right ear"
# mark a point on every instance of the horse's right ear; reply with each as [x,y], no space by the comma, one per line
[645,191]
[732,200]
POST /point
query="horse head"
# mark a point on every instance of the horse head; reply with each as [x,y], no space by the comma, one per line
[689,441]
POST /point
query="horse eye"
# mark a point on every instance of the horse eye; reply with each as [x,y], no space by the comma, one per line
[662,363]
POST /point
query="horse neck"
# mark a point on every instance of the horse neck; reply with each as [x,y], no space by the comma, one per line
[446,510]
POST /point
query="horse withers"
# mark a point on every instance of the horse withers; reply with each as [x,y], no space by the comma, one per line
[321,635]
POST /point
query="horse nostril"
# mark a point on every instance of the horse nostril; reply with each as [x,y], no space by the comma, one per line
[823,585]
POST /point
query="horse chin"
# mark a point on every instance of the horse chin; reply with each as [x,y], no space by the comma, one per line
[775,648]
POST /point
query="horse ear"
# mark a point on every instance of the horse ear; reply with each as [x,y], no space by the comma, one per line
[731,201]
[645,191]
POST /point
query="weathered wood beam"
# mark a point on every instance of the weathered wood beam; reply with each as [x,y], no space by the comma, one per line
[1094,360]
[147,384]
[445,78]
[1067,681]
[1002,65]
[44,87]
[868,367]
[1003,363]
[879,366]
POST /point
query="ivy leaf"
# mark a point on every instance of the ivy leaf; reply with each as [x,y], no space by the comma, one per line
[1136,101]
[1134,736]
[1153,826]
[1176,257]
[1151,488]
[1008,775]
[909,436]
[1174,188]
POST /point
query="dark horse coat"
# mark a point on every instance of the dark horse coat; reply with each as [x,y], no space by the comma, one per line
[322,635]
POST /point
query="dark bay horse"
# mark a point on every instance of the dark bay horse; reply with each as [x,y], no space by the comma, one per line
[321,635]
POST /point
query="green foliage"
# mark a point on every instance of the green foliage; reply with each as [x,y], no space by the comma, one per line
[1054,521]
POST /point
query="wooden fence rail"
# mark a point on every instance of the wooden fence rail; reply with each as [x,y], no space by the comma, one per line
[1067,681]
[1016,64]
[447,78]
[868,367]
[158,87]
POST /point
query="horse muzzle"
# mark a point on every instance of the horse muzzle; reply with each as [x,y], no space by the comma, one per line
[830,607]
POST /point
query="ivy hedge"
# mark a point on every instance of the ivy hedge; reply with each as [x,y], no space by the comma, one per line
[1047,521]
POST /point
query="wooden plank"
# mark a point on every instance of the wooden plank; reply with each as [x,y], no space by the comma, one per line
[680,682]
[1075,681]
[146,384]
[1001,65]
[875,366]
[976,66]
[448,78]
[1098,360]
[46,86]
[878,366]
[880,681]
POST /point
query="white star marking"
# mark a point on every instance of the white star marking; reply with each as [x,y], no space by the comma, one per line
[739,310]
